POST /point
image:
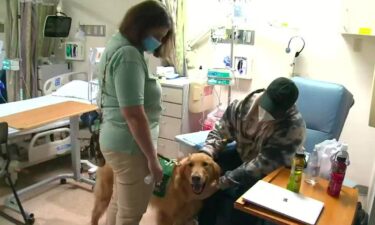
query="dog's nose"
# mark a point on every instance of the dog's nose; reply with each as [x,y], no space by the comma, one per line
[195,179]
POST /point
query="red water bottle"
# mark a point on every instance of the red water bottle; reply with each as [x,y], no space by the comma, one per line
[339,163]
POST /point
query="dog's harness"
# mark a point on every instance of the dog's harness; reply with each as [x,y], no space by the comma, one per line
[168,166]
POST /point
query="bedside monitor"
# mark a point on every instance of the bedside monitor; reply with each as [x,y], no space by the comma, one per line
[57,26]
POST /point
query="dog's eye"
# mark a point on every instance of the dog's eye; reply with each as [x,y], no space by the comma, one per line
[191,164]
[205,164]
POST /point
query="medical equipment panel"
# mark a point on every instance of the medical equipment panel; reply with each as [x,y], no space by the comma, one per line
[74,51]
[219,77]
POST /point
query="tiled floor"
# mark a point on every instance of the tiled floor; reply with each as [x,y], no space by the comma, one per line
[68,204]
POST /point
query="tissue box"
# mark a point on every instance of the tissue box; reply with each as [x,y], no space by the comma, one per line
[165,70]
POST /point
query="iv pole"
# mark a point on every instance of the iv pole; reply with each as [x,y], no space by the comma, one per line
[232,67]
[232,38]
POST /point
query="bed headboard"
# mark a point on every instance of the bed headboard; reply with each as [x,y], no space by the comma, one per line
[56,82]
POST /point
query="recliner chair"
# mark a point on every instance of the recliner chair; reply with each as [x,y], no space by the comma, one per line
[324,107]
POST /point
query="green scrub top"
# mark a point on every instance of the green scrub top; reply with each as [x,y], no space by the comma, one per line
[127,83]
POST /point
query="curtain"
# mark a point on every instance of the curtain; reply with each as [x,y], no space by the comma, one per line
[12,47]
[33,44]
[44,45]
[20,34]
[28,54]
[177,10]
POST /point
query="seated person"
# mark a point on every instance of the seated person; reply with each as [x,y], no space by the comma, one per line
[268,130]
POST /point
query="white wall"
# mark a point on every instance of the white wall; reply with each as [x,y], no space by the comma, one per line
[328,56]
[96,12]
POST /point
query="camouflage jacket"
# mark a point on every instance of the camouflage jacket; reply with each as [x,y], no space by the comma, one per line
[262,145]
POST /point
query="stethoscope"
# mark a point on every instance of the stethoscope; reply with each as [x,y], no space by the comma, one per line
[288,50]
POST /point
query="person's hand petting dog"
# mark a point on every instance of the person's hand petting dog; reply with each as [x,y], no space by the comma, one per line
[225,182]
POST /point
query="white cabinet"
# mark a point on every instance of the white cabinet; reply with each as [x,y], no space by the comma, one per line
[172,94]
[175,118]
[359,17]
[168,148]
[170,127]
[172,110]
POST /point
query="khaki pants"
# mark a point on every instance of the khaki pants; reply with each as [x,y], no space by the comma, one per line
[130,193]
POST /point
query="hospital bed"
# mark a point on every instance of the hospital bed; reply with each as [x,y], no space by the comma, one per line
[65,102]
[49,141]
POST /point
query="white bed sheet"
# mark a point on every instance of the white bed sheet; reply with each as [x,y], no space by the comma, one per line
[78,89]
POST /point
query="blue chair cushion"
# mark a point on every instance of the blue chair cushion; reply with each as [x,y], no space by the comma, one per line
[324,107]
[314,137]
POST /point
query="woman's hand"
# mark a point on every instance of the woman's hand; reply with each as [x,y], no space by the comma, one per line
[155,170]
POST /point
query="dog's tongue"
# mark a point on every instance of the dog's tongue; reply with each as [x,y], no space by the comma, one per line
[197,188]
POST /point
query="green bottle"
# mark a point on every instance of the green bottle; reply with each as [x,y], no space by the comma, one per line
[295,178]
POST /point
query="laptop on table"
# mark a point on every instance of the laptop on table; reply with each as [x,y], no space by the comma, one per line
[285,202]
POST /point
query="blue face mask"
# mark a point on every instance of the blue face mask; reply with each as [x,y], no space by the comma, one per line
[150,44]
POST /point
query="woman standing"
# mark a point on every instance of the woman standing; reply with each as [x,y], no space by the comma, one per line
[131,106]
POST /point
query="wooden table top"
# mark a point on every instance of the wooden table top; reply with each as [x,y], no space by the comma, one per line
[41,116]
[336,211]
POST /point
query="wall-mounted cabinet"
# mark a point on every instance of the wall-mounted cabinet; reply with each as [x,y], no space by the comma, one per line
[358,17]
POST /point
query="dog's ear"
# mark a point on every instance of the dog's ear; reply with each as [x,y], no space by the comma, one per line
[180,170]
[216,170]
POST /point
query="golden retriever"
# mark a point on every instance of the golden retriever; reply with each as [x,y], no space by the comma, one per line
[194,178]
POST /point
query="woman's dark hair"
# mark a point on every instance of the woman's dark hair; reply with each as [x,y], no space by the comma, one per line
[145,16]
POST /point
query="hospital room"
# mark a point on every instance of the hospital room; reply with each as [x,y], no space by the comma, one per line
[187,112]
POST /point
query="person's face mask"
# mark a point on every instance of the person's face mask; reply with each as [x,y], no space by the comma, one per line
[150,44]
[263,115]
